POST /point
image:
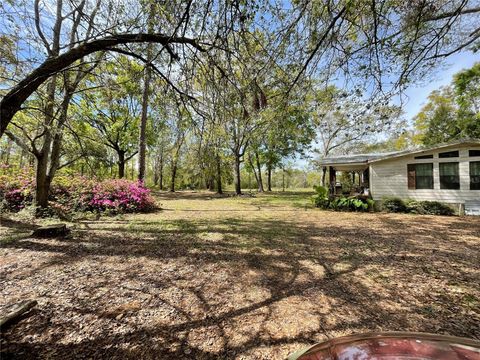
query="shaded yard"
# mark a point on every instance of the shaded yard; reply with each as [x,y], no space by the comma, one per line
[245,278]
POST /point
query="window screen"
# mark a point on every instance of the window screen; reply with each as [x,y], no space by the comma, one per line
[475,175]
[449,176]
[423,176]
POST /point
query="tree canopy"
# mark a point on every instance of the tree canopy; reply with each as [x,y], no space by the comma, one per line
[452,112]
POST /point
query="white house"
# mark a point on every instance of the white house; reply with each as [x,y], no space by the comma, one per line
[448,173]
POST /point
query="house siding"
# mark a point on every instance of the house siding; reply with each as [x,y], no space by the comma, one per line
[388,178]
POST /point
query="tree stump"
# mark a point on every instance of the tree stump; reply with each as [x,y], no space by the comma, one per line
[51,231]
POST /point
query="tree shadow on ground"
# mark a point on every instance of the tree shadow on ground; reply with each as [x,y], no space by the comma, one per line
[16,224]
[258,288]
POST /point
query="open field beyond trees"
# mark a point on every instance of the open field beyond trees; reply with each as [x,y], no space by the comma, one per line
[237,278]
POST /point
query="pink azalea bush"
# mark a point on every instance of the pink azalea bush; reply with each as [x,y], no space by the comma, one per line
[16,187]
[75,193]
[121,195]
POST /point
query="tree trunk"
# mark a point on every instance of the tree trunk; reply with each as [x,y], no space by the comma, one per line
[156,168]
[259,167]
[143,126]
[238,185]
[22,158]
[219,175]
[174,174]
[42,186]
[146,90]
[143,121]
[283,180]
[42,182]
[57,138]
[160,175]
[121,164]
[211,183]
[51,148]
[250,162]
[174,159]
[269,177]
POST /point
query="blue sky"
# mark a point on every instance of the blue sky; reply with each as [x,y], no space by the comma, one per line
[417,95]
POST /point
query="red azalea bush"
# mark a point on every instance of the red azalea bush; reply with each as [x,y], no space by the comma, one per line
[75,193]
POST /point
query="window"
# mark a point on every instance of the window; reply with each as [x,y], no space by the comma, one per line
[449,176]
[474,153]
[420,176]
[475,175]
[424,157]
[448,154]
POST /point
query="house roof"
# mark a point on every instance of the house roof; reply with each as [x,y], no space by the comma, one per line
[354,159]
[363,159]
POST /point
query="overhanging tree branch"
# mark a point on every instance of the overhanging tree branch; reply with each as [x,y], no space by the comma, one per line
[317,47]
[149,63]
[14,99]
[450,14]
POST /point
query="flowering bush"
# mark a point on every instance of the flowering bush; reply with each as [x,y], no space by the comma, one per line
[121,196]
[72,192]
[16,188]
[75,193]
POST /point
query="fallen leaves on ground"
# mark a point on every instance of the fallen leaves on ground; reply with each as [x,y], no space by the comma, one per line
[239,278]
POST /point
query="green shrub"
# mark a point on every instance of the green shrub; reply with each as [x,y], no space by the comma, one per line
[421,207]
[321,199]
[436,208]
[394,205]
[371,204]
[352,203]
[414,207]
[339,204]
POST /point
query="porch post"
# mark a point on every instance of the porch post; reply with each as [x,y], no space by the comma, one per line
[333,179]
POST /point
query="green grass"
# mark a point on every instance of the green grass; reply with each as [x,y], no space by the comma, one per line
[13,236]
[294,199]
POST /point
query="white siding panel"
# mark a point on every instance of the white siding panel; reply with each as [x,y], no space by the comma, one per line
[389,178]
